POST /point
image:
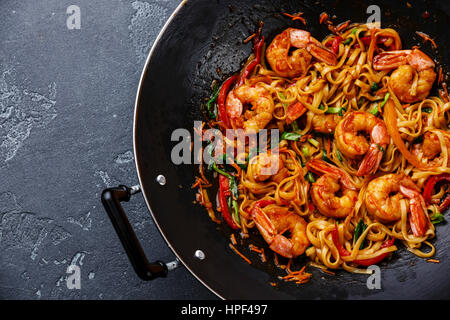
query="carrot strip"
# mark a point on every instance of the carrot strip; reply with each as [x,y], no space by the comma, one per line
[443,93]
[441,76]
[296,16]
[233,239]
[342,26]
[299,276]
[323,17]
[255,248]
[434,260]
[426,38]
[263,256]
[240,254]
[197,183]
[250,38]
[328,271]
[238,169]
[381,91]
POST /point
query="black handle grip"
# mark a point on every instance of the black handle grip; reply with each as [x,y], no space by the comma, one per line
[111,199]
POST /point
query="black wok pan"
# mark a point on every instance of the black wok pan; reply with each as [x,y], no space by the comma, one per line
[200,37]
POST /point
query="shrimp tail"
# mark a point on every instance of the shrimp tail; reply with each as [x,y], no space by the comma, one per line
[281,245]
[390,59]
[323,167]
[322,54]
[371,161]
[264,225]
[417,218]
[417,208]
[379,140]
[303,39]
[393,59]
[419,60]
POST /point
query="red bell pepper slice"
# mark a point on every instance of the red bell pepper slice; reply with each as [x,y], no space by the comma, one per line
[366,40]
[252,65]
[366,262]
[335,44]
[429,186]
[224,188]
[223,93]
[335,236]
[445,204]
[380,40]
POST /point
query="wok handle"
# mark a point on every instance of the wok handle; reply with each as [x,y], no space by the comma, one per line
[111,199]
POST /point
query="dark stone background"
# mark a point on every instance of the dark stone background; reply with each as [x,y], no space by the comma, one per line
[66,115]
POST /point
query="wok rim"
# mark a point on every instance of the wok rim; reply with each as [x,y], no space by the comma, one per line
[138,171]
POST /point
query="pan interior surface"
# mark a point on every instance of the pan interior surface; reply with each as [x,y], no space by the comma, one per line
[206,36]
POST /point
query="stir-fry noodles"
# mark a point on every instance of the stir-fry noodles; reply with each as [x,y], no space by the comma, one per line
[362,163]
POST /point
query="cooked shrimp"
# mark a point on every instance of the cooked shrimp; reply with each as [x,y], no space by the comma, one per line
[431,147]
[272,221]
[296,64]
[414,76]
[353,145]
[262,107]
[324,190]
[264,166]
[325,123]
[383,197]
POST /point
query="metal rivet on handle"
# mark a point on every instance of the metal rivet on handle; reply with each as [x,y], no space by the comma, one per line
[199,254]
[161,179]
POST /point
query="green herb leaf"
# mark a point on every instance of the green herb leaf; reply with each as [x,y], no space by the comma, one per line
[334,110]
[359,230]
[292,136]
[211,106]
[379,106]
[361,101]
[305,151]
[220,171]
[236,212]
[374,87]
[339,155]
[325,157]
[309,177]
[283,97]
[233,187]
[209,149]
[314,142]
[380,148]
[347,41]
[427,109]
[437,218]
[386,97]
[374,109]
